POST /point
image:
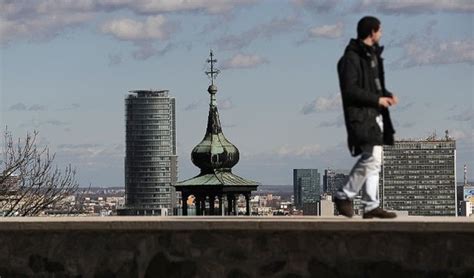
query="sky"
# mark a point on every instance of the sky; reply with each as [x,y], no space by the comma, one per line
[66,68]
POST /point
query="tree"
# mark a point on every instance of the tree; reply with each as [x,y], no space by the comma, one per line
[29,182]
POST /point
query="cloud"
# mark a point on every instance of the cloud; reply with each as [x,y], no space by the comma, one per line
[404,107]
[327,31]
[56,123]
[266,30]
[18,107]
[36,124]
[300,151]
[240,61]
[465,116]
[193,106]
[323,104]
[73,106]
[337,122]
[408,124]
[153,28]
[317,6]
[37,107]
[91,154]
[415,6]
[25,20]
[43,20]
[115,59]
[422,48]
[23,107]
[147,50]
[420,52]
[225,104]
[158,7]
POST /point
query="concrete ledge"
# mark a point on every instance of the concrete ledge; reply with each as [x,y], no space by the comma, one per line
[306,223]
[235,247]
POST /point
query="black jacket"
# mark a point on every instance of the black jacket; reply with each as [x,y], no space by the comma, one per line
[360,98]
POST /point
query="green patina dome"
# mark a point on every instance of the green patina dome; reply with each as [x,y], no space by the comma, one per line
[214,152]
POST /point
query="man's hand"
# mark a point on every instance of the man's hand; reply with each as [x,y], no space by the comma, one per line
[388,101]
[394,100]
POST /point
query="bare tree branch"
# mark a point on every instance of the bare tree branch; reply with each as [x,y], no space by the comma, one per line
[29,182]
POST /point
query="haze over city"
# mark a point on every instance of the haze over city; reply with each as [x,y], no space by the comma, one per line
[66,67]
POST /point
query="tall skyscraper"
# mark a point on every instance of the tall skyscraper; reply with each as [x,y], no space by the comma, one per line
[307,189]
[333,180]
[419,176]
[150,160]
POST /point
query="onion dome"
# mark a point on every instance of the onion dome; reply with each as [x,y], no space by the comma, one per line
[214,152]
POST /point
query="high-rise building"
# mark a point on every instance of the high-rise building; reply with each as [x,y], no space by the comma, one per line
[333,180]
[419,176]
[307,189]
[150,160]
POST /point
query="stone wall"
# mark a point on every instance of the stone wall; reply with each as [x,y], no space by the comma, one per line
[232,247]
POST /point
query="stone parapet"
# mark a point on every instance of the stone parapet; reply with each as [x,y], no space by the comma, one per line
[236,247]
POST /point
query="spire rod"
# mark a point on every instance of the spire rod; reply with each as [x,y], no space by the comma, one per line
[213,72]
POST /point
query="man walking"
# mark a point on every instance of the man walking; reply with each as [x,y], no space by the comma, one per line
[365,104]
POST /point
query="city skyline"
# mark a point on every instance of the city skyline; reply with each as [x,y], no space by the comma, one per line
[67,67]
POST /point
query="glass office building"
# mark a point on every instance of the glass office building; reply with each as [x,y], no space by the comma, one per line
[150,160]
[307,190]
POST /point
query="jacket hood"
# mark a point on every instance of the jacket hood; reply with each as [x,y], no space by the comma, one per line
[362,49]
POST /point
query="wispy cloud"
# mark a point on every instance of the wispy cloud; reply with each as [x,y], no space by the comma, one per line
[240,61]
[18,107]
[115,59]
[266,30]
[323,104]
[334,31]
[153,28]
[408,124]
[225,104]
[56,123]
[301,151]
[317,6]
[23,107]
[336,122]
[415,6]
[404,106]
[193,106]
[146,50]
[37,107]
[91,154]
[464,116]
[423,48]
[43,20]
[420,52]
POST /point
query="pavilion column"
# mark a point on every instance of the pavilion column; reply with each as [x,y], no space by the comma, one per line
[221,208]
[197,201]
[235,198]
[229,204]
[203,204]
[184,200]
[247,200]
[212,199]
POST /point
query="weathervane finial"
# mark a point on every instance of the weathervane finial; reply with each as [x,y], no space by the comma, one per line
[213,72]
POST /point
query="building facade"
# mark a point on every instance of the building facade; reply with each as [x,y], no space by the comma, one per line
[333,180]
[150,160]
[419,176]
[307,189]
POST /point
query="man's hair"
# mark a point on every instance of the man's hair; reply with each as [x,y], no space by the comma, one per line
[366,25]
